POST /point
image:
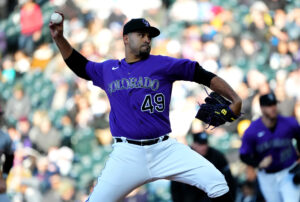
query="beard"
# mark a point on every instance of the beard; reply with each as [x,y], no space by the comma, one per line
[144,51]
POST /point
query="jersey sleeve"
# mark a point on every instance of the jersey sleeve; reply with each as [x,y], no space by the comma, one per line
[248,143]
[180,69]
[296,128]
[95,71]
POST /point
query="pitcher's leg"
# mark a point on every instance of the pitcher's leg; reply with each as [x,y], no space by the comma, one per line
[124,171]
[180,163]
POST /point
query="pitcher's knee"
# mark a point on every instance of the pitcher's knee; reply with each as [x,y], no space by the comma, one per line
[217,186]
[217,190]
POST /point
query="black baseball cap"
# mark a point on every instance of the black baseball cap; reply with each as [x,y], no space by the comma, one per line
[268,99]
[139,24]
[201,138]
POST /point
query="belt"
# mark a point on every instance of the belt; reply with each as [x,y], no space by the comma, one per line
[270,171]
[142,142]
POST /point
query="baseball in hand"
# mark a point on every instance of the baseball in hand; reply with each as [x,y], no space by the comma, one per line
[56,18]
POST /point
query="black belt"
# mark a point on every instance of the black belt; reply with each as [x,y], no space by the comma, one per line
[142,142]
[273,170]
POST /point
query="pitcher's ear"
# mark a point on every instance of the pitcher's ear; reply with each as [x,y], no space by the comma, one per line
[125,38]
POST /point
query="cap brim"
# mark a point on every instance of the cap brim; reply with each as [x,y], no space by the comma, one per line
[153,31]
[268,104]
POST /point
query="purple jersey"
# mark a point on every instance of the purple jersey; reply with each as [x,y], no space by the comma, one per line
[140,93]
[261,142]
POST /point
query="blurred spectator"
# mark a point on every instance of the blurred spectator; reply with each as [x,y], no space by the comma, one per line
[61,160]
[6,7]
[286,104]
[248,192]
[23,126]
[294,50]
[6,150]
[291,82]
[37,118]
[3,43]
[3,12]
[42,173]
[245,93]
[275,4]
[30,190]
[183,192]
[18,105]
[62,190]
[293,24]
[229,50]
[259,21]
[60,96]
[41,57]
[22,61]
[227,71]
[281,59]
[116,17]
[8,72]
[84,115]
[278,29]
[89,50]
[47,138]
[31,22]
[67,190]
[53,193]
[184,10]
[14,180]
[249,50]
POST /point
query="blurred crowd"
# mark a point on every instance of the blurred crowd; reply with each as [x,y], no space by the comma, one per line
[59,122]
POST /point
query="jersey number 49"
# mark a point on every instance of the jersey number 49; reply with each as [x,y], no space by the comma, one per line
[156,103]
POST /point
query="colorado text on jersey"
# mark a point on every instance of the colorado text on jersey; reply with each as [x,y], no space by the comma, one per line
[133,82]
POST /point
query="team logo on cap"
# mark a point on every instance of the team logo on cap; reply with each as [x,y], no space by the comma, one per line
[146,23]
[271,97]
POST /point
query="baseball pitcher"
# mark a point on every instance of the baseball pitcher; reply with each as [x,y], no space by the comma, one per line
[139,90]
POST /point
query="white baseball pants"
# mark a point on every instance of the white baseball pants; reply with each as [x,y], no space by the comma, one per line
[130,166]
[279,186]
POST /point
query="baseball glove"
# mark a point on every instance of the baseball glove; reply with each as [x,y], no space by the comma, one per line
[215,111]
[296,171]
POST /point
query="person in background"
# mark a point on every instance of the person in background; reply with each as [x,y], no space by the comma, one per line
[267,144]
[5,149]
[187,193]
[31,22]
[18,105]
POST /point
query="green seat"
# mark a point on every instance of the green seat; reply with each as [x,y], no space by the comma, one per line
[84,179]
[46,96]
[35,100]
[68,131]
[97,154]
[28,78]
[97,168]
[76,170]
[6,93]
[86,161]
